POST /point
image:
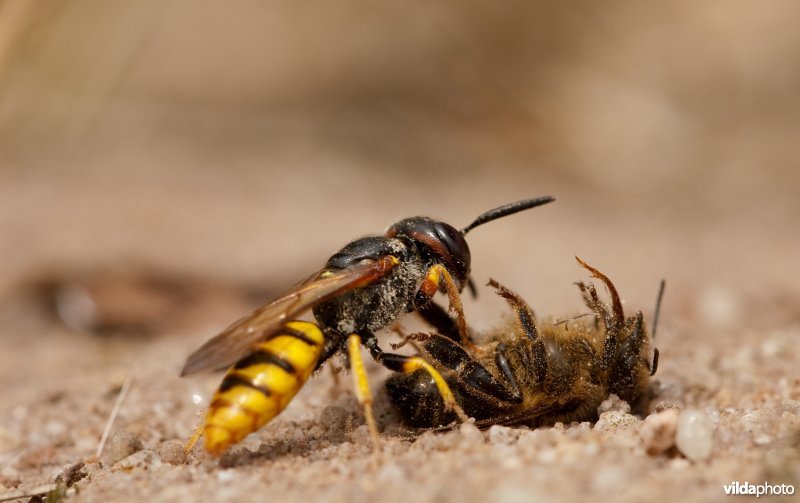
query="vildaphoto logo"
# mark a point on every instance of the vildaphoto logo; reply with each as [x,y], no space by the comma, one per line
[764,489]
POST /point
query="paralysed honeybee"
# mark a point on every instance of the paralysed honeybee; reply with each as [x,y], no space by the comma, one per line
[535,373]
[363,288]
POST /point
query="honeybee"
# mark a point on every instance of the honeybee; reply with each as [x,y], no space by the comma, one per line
[536,373]
[363,288]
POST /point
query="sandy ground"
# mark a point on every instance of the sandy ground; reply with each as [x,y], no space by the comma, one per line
[728,351]
[165,167]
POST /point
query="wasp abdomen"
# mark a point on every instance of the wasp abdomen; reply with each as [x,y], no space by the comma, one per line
[260,385]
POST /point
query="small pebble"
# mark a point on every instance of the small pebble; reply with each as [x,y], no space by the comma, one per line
[615,420]
[123,444]
[502,435]
[71,474]
[470,432]
[533,440]
[172,452]
[430,441]
[663,405]
[695,435]
[658,431]
[614,403]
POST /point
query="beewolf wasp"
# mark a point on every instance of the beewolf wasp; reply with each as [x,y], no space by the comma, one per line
[363,288]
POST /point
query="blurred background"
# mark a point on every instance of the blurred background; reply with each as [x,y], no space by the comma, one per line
[245,142]
[166,166]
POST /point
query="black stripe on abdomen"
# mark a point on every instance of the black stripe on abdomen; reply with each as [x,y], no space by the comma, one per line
[261,357]
[232,380]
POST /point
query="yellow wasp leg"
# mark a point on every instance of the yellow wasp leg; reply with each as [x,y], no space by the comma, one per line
[430,285]
[190,443]
[414,363]
[363,393]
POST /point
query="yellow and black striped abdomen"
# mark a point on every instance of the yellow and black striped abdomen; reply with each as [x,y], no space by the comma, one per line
[261,384]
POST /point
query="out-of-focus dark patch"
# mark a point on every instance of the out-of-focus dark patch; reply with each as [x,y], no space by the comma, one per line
[138,301]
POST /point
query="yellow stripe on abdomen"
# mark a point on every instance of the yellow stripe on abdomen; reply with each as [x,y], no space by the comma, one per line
[262,384]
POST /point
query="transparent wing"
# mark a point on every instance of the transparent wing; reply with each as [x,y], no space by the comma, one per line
[526,415]
[226,348]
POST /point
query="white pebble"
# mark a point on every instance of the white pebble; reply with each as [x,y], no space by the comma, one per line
[658,431]
[226,475]
[695,436]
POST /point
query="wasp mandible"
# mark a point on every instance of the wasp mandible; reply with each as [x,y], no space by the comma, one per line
[364,287]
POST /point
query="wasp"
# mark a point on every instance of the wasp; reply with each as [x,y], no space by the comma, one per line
[362,288]
[536,373]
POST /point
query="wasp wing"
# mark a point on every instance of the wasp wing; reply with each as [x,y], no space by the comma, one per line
[226,348]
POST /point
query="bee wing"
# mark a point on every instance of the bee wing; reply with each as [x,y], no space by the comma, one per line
[226,348]
[522,416]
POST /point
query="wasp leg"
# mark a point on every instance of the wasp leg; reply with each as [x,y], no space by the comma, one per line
[192,440]
[363,393]
[431,284]
[410,364]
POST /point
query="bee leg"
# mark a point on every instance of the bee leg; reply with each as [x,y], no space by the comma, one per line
[452,356]
[410,364]
[437,317]
[525,316]
[614,321]
[434,279]
[501,360]
[616,304]
[527,323]
[593,302]
[363,393]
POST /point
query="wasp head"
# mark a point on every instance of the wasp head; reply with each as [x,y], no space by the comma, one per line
[438,243]
[441,243]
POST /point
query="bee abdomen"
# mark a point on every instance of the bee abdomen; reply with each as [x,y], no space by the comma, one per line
[260,385]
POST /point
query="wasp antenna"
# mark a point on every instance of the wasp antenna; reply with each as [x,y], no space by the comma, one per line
[658,307]
[508,209]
